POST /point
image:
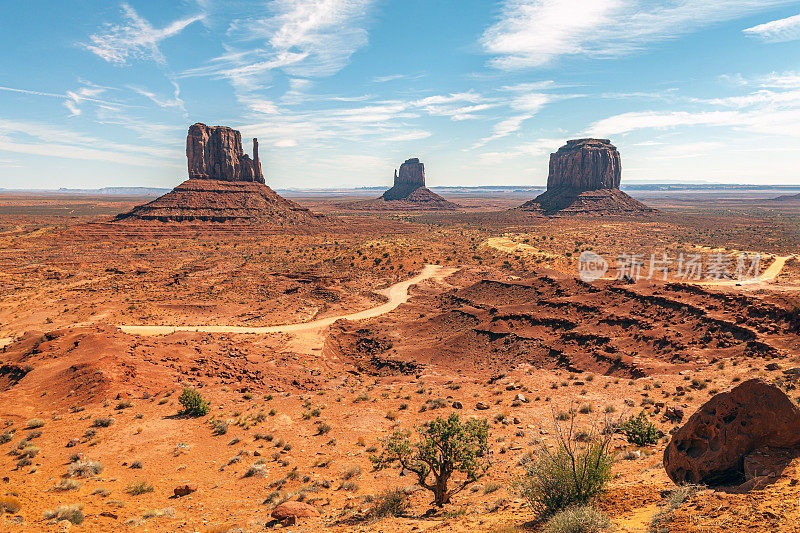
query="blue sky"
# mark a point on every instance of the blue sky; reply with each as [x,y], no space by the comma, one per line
[339,92]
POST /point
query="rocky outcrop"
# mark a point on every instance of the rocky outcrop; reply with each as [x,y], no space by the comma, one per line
[408,192]
[216,153]
[584,178]
[585,165]
[736,436]
[224,185]
[410,178]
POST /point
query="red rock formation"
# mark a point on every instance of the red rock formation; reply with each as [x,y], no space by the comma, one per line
[585,165]
[410,178]
[732,432]
[584,178]
[407,193]
[216,153]
[224,185]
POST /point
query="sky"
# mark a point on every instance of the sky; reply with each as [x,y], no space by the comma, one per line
[97,93]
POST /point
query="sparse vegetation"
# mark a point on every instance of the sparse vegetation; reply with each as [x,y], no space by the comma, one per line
[393,502]
[34,423]
[581,519]
[193,403]
[140,487]
[445,446]
[572,474]
[85,468]
[73,513]
[640,431]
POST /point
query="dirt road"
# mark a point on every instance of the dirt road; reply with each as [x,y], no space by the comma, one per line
[397,294]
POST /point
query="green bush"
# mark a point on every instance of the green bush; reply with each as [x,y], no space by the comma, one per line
[446,446]
[640,431]
[393,502]
[193,403]
[140,487]
[572,474]
[582,519]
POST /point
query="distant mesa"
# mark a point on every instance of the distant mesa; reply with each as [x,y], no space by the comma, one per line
[788,198]
[224,185]
[584,178]
[407,193]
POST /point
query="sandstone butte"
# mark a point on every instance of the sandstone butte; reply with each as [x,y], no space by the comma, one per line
[584,178]
[224,185]
[408,192]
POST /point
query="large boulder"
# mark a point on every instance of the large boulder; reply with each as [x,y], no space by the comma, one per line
[292,510]
[733,431]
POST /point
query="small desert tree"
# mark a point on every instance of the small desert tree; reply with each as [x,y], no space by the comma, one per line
[445,446]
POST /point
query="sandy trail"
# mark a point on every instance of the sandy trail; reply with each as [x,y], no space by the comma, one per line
[509,246]
[397,294]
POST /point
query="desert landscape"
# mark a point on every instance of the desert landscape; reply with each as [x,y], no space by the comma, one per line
[224,359]
[400,266]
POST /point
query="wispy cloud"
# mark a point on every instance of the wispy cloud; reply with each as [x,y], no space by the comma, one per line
[136,38]
[301,38]
[773,108]
[41,139]
[533,33]
[777,31]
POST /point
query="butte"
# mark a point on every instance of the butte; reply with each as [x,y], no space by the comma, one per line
[407,193]
[584,180]
[224,185]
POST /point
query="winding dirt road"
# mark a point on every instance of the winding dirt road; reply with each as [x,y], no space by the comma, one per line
[397,294]
[509,246]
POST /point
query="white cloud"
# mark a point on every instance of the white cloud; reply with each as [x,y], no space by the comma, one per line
[285,143]
[50,140]
[302,38]
[777,31]
[136,38]
[533,33]
[414,135]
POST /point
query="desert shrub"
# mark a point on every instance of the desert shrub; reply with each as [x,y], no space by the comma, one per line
[103,422]
[572,474]
[123,404]
[323,428]
[180,448]
[491,487]
[256,470]
[73,513]
[393,502]
[6,437]
[582,519]
[136,465]
[660,522]
[445,446]
[140,487]
[34,423]
[350,486]
[29,451]
[9,504]
[351,472]
[640,431]
[219,427]
[193,403]
[64,485]
[86,468]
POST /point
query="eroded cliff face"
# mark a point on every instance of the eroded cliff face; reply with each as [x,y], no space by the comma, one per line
[585,165]
[216,153]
